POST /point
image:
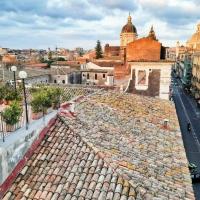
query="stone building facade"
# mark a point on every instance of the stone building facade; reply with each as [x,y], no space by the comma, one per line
[196,75]
[97,77]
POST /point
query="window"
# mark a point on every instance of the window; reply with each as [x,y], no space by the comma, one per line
[88,76]
[55,81]
[141,77]
[104,76]
[95,76]
[63,81]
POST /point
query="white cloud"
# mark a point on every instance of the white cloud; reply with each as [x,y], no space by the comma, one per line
[70,23]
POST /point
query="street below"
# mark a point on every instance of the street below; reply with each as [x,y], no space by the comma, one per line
[188,112]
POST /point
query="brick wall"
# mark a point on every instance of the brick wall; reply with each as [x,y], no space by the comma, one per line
[144,49]
[110,51]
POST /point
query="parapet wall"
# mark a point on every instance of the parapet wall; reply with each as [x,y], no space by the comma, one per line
[16,145]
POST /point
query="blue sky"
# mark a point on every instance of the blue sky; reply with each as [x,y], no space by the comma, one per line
[73,23]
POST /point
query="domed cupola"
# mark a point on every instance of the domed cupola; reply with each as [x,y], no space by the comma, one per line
[128,33]
[194,41]
[129,27]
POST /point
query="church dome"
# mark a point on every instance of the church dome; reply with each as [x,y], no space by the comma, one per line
[194,41]
[129,27]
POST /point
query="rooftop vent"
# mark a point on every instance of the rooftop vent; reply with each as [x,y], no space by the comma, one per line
[165,123]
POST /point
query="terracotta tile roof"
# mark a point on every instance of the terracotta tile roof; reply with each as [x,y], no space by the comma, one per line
[115,147]
[65,167]
[127,130]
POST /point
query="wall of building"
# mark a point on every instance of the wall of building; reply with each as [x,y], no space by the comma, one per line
[196,75]
[38,79]
[143,49]
[75,77]
[110,51]
[60,79]
[150,79]
[151,88]
[96,78]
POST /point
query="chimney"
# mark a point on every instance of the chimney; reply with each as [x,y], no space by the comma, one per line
[165,123]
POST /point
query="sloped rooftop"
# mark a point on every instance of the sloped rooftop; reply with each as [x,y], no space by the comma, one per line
[128,131]
[65,167]
[115,148]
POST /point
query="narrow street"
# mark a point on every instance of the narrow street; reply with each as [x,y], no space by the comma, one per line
[187,111]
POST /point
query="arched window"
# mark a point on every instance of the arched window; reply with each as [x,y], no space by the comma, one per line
[95,76]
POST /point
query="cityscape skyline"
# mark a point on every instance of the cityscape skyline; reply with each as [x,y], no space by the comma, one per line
[68,24]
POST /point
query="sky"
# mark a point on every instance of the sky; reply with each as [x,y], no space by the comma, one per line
[40,24]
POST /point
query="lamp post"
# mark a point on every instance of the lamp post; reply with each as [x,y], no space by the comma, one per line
[1,119]
[14,69]
[23,76]
[1,65]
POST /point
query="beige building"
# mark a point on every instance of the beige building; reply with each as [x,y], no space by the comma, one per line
[128,33]
[194,41]
[93,74]
[196,75]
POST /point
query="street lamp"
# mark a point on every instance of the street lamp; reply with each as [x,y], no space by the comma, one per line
[2,126]
[14,69]
[1,65]
[23,75]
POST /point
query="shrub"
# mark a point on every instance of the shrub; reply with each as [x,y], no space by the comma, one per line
[11,115]
[10,94]
[41,100]
[54,93]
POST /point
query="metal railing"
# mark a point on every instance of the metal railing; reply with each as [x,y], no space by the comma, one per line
[6,129]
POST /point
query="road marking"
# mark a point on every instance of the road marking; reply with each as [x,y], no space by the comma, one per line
[192,129]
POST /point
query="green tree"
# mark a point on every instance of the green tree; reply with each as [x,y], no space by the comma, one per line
[99,53]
